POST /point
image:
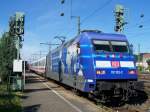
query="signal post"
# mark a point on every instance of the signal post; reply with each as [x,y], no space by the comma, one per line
[16,25]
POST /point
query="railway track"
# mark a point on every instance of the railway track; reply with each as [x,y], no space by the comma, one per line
[147,76]
[105,108]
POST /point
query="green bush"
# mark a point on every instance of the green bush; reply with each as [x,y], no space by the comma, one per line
[148,62]
[9,102]
[148,68]
[140,68]
[7,54]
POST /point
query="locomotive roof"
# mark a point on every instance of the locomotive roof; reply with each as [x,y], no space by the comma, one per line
[105,36]
[94,35]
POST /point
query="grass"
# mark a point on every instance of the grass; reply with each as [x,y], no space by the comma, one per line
[9,102]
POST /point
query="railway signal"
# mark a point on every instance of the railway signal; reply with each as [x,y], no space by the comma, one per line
[12,25]
[19,24]
[16,24]
[119,16]
[16,30]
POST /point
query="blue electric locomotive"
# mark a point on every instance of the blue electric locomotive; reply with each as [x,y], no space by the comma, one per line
[95,62]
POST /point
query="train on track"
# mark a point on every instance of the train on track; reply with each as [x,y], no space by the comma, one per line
[94,62]
[38,66]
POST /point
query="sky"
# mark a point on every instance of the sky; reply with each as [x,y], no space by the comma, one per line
[43,21]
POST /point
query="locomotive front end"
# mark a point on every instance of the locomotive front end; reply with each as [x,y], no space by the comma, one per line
[114,67]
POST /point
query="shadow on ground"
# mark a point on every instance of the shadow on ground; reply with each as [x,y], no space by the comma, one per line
[33,79]
[36,90]
[33,108]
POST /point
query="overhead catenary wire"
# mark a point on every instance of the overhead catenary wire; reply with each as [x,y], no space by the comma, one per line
[142,23]
[144,28]
[96,10]
[70,8]
[91,14]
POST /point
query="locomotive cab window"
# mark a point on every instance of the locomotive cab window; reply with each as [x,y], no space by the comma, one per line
[119,46]
[101,46]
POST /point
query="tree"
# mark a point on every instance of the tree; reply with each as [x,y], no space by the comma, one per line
[148,62]
[7,54]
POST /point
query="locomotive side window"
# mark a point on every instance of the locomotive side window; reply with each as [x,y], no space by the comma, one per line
[100,45]
[119,46]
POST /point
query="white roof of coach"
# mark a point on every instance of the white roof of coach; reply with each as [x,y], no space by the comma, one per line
[43,58]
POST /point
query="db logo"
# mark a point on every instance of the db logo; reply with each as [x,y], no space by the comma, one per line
[115,64]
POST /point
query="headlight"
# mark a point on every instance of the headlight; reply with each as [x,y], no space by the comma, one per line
[100,72]
[132,72]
